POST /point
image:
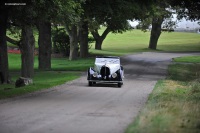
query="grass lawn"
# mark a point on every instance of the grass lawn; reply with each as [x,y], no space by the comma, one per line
[137,41]
[173,106]
[42,80]
[189,59]
[62,71]
[115,44]
[57,64]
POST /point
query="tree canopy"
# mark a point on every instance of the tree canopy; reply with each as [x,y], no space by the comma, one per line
[190,9]
[79,17]
[113,15]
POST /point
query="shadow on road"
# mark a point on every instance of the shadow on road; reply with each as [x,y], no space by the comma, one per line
[145,70]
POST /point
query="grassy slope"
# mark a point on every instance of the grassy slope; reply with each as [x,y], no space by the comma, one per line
[173,106]
[137,41]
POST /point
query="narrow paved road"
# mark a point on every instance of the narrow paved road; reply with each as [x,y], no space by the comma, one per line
[76,108]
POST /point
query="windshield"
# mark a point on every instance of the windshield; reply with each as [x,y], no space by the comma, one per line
[107,60]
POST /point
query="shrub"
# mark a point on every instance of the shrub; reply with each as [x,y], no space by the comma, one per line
[61,42]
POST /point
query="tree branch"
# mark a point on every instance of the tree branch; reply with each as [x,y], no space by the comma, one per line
[12,41]
[105,33]
[95,34]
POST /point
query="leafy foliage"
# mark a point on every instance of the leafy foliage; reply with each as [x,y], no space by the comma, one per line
[160,10]
[15,32]
[60,41]
[68,11]
[187,8]
[111,14]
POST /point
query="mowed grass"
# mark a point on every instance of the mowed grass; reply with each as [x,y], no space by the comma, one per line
[115,44]
[137,41]
[189,59]
[57,64]
[63,70]
[42,80]
[173,106]
[179,42]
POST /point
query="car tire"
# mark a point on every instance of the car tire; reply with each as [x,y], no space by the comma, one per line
[119,85]
[90,83]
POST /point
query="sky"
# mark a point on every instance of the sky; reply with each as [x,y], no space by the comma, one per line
[185,24]
[188,24]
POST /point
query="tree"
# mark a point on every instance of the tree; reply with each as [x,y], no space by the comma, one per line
[83,37]
[190,9]
[99,38]
[60,41]
[111,14]
[38,12]
[73,35]
[4,71]
[159,11]
[46,11]
[27,47]
[24,17]
[69,13]
[45,46]
[155,31]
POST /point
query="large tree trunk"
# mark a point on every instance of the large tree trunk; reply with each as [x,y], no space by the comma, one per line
[83,34]
[27,52]
[4,72]
[44,42]
[73,35]
[155,32]
[99,39]
[98,43]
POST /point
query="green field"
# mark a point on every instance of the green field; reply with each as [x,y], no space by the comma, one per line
[137,41]
[63,70]
[115,44]
[189,59]
[42,80]
[57,64]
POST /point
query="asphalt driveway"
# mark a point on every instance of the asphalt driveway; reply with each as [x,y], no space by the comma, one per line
[76,108]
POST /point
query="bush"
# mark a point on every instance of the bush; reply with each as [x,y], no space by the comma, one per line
[61,42]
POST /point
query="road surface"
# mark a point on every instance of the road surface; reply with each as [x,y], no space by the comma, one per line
[76,108]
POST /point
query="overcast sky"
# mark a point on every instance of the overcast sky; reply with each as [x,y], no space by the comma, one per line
[181,24]
[189,24]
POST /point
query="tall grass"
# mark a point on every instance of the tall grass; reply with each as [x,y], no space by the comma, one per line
[173,106]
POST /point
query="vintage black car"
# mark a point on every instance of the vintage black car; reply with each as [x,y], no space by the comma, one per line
[107,69]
